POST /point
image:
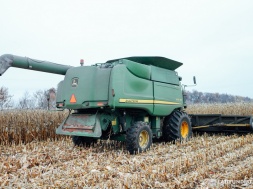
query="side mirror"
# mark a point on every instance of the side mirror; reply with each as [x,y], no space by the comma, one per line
[194,81]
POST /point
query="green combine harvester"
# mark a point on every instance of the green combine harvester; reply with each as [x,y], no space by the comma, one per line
[133,99]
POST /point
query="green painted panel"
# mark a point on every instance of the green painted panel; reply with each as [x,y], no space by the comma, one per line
[140,70]
[87,84]
[163,75]
[167,97]
[128,86]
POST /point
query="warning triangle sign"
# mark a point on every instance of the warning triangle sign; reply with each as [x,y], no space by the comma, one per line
[72,99]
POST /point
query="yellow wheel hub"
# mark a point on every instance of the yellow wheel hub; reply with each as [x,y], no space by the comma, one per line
[184,129]
[143,139]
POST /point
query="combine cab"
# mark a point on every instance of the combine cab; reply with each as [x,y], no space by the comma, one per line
[133,99]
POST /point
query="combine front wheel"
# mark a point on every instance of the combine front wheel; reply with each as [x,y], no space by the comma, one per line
[138,137]
[177,126]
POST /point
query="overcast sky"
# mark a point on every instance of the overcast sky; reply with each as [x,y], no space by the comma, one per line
[213,38]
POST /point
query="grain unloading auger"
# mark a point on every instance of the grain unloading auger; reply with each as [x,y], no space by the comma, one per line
[133,99]
[9,60]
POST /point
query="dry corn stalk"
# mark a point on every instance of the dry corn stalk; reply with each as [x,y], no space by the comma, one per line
[221,108]
[26,126]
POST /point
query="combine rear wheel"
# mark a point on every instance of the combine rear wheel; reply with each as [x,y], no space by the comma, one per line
[138,137]
[177,126]
[83,141]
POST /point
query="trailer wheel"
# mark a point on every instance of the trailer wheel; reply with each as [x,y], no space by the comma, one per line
[138,137]
[83,141]
[177,126]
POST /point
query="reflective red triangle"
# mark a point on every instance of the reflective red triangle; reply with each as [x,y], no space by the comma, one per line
[72,99]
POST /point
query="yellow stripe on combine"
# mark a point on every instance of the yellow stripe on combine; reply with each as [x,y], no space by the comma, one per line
[165,102]
[137,101]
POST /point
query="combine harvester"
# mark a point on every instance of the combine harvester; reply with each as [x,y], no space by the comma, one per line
[133,99]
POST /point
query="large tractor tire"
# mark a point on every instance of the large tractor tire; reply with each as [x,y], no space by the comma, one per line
[177,126]
[138,137]
[83,141]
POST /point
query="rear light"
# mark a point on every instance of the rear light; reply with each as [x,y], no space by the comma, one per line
[100,103]
[81,62]
[60,104]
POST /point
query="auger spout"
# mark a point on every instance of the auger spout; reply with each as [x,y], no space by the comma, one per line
[9,60]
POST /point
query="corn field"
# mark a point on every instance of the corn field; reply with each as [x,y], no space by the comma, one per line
[226,109]
[26,126]
[32,156]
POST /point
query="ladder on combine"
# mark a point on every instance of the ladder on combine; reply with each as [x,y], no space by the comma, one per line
[218,123]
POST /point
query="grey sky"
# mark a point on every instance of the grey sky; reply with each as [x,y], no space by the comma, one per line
[214,39]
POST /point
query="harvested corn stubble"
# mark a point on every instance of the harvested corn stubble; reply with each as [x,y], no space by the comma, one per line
[204,161]
[33,156]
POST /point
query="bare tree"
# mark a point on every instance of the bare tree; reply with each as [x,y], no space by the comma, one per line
[40,99]
[5,99]
[26,102]
[199,97]
[45,99]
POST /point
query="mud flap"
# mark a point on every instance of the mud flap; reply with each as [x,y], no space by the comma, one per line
[81,125]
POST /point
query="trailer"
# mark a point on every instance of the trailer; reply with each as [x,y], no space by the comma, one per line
[218,123]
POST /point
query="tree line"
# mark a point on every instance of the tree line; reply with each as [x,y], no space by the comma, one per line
[41,99]
[202,97]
